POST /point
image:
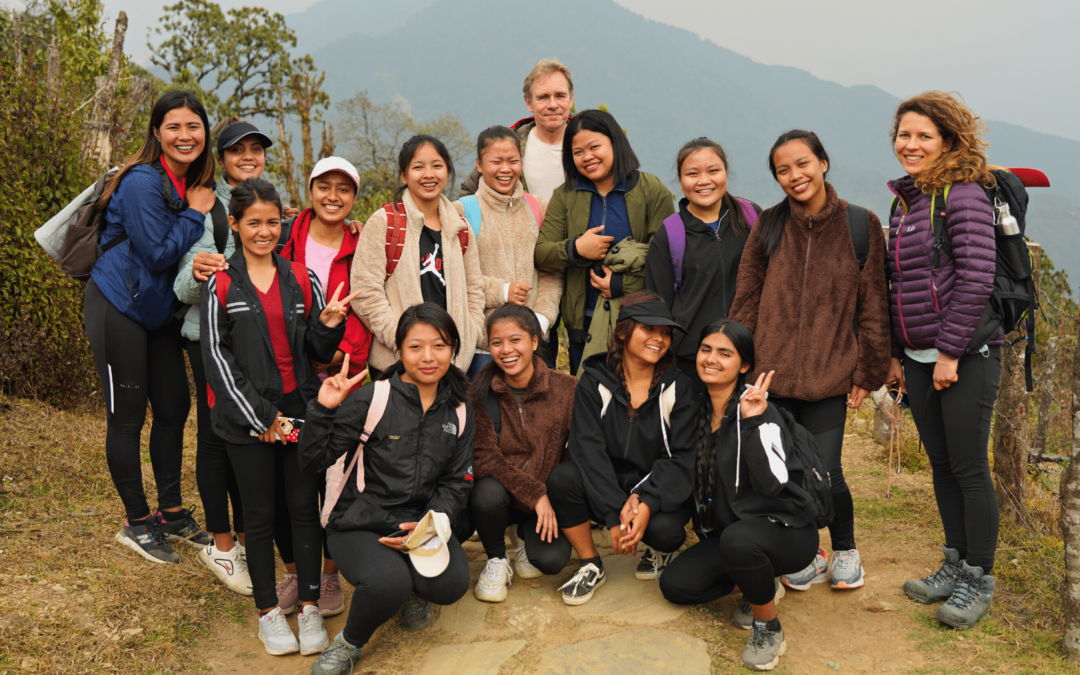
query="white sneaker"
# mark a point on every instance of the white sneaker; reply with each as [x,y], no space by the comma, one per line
[493,581]
[522,566]
[276,635]
[228,566]
[313,637]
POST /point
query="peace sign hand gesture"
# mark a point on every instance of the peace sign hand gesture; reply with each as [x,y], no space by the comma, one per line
[753,401]
[334,312]
[336,388]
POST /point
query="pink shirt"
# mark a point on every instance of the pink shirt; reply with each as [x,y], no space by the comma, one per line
[318,259]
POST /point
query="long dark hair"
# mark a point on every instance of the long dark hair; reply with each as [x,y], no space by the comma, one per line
[527,321]
[704,443]
[201,171]
[771,223]
[409,150]
[625,162]
[621,335]
[438,318]
[739,226]
[249,191]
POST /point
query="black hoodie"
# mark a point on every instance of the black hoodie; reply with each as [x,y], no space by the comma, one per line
[618,455]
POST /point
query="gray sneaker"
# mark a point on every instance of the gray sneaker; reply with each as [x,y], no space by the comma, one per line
[186,530]
[337,659]
[970,602]
[146,538]
[939,585]
[743,616]
[764,648]
[817,572]
[313,637]
[416,613]
[276,635]
[846,570]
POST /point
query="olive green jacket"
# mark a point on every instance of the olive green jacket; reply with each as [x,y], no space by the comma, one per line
[628,259]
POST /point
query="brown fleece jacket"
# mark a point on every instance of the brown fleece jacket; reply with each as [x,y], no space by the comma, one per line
[532,438]
[801,305]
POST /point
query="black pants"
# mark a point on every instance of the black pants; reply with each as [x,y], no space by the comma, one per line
[666,530]
[747,554]
[491,510]
[550,353]
[954,425]
[263,470]
[825,420]
[577,349]
[283,532]
[213,471]
[137,366]
[384,578]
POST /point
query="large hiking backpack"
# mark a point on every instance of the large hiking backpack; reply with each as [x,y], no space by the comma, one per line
[337,474]
[471,206]
[804,461]
[396,223]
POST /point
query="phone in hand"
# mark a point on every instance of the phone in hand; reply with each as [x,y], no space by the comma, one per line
[399,533]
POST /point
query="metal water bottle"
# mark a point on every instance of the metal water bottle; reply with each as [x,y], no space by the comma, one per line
[1006,223]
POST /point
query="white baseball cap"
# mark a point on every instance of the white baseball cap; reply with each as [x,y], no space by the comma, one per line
[428,544]
[329,164]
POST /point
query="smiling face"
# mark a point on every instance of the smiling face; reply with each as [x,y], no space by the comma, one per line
[703,178]
[801,174]
[332,197]
[593,155]
[512,349]
[649,343]
[500,166]
[182,137]
[259,228]
[425,355]
[918,142]
[551,101]
[427,175]
[718,362]
[242,160]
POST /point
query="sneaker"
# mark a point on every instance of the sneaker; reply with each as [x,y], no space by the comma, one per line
[764,648]
[522,566]
[939,585]
[313,637]
[337,659]
[846,570]
[581,586]
[652,564]
[147,539]
[276,635]
[496,576]
[227,566]
[416,613]
[186,530]
[287,594]
[331,601]
[743,616]
[970,602]
[815,573]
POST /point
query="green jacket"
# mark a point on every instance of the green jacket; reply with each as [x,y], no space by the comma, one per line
[648,203]
[628,259]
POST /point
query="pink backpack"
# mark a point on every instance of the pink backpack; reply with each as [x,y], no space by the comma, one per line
[337,474]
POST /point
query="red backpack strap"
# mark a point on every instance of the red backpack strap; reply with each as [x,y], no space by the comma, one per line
[223,281]
[300,271]
[534,206]
[395,235]
[463,237]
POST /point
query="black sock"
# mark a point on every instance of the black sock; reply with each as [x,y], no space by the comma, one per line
[774,625]
[171,516]
[596,561]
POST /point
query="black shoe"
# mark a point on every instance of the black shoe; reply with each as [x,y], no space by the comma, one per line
[146,538]
[186,530]
[416,613]
[652,564]
[581,586]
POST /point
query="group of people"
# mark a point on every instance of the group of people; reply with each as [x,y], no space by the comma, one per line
[703,342]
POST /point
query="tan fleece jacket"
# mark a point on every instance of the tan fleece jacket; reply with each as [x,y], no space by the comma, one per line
[506,244]
[382,301]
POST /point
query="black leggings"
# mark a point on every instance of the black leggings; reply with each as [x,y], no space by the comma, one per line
[136,366]
[954,425]
[825,420]
[747,554]
[213,471]
[666,530]
[263,470]
[283,525]
[491,510]
[384,578]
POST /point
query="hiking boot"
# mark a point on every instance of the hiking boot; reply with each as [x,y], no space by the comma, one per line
[939,585]
[276,635]
[337,659]
[846,570]
[146,538]
[743,616]
[313,637]
[653,563]
[970,602]
[817,572]
[579,589]
[416,613]
[493,581]
[522,566]
[331,601]
[764,648]
[227,566]
[185,529]
[287,594]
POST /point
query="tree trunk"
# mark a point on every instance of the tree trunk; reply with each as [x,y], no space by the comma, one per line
[1070,523]
[16,41]
[285,145]
[1049,360]
[101,146]
[53,73]
[1012,431]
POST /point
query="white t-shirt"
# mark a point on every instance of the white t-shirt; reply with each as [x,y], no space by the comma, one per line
[542,166]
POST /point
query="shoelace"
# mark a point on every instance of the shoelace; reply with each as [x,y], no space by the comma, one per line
[582,573]
[337,654]
[490,567]
[967,592]
[949,571]
[155,530]
[844,561]
[333,584]
[760,636]
[278,624]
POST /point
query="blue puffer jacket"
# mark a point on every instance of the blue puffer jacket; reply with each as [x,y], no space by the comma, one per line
[939,307]
[137,275]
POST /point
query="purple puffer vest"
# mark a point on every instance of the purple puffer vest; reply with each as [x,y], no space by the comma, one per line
[940,307]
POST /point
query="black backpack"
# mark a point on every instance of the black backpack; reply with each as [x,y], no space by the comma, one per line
[491,407]
[807,469]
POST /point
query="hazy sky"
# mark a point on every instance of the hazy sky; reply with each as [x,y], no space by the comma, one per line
[1013,62]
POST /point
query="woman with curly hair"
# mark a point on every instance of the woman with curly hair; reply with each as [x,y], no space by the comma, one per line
[937,298]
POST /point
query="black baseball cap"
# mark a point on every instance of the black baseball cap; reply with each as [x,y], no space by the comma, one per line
[233,134]
[650,313]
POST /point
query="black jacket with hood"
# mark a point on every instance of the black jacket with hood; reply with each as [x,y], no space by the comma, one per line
[414,461]
[618,455]
[239,355]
